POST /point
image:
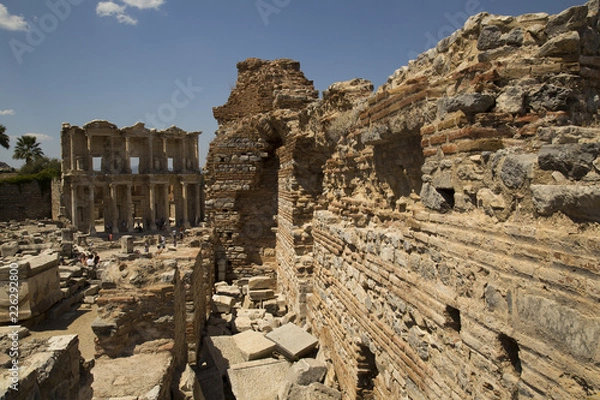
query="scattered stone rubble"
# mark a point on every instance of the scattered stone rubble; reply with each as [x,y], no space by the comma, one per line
[250,336]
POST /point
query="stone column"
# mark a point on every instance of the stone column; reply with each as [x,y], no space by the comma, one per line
[89,150]
[184,204]
[167,204]
[150,155]
[112,155]
[74,204]
[73,158]
[113,206]
[127,155]
[165,156]
[152,207]
[196,158]
[92,211]
[183,154]
[129,209]
[197,217]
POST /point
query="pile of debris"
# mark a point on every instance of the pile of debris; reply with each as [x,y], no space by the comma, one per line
[249,336]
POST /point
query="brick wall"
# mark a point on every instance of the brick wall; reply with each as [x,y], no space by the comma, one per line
[29,200]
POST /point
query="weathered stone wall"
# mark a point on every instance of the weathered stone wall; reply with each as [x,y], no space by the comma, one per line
[242,194]
[39,287]
[48,370]
[129,316]
[31,200]
[441,235]
[478,276]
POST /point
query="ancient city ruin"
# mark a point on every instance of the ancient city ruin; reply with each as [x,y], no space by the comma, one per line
[434,238]
[129,177]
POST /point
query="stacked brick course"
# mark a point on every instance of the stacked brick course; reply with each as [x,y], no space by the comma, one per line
[440,236]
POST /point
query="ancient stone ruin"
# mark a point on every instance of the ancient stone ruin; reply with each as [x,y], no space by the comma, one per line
[435,238]
[130,177]
[439,236]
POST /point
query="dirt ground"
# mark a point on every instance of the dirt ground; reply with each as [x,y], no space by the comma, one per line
[77,321]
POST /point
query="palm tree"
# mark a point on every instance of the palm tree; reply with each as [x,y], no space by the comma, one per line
[4,139]
[28,149]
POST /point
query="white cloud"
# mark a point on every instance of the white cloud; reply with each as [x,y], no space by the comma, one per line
[11,22]
[144,4]
[112,9]
[41,137]
[7,112]
[108,8]
[126,19]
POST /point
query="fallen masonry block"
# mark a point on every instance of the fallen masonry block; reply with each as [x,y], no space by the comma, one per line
[262,294]
[292,341]
[226,290]
[223,352]
[258,380]
[307,371]
[254,345]
[260,282]
[252,313]
[243,324]
[315,391]
[223,304]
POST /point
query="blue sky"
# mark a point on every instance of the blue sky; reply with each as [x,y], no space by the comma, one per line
[168,62]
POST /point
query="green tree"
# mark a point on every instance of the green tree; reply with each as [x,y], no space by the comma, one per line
[4,139]
[28,149]
[50,165]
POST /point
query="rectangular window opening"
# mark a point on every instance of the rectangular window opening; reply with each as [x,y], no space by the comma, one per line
[135,165]
[170,164]
[97,164]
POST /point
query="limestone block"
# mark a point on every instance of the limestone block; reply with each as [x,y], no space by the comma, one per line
[566,43]
[432,199]
[573,160]
[467,103]
[582,202]
[262,294]
[258,380]
[127,244]
[511,100]
[260,282]
[232,291]
[564,325]
[254,345]
[242,324]
[315,391]
[252,313]
[549,97]
[223,304]
[307,371]
[223,351]
[292,341]
[39,287]
[517,169]
[570,19]
[490,38]
[9,249]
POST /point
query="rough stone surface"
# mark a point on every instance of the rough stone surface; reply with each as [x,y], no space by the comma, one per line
[412,229]
[307,371]
[258,380]
[254,345]
[292,341]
